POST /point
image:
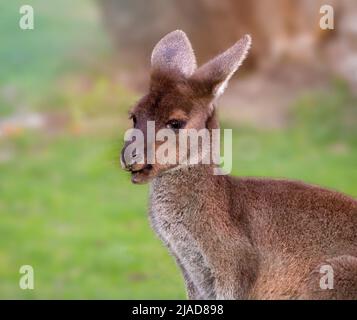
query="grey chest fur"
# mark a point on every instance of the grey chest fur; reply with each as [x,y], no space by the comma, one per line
[170,215]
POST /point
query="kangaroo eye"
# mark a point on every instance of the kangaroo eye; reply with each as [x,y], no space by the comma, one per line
[175,124]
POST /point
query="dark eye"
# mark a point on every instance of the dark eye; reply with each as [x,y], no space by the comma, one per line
[175,124]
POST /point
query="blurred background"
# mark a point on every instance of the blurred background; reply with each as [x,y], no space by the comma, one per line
[66,207]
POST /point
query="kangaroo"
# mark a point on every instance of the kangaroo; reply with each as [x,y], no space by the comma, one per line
[236,238]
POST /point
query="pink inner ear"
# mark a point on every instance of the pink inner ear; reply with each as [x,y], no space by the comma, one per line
[174,53]
[220,69]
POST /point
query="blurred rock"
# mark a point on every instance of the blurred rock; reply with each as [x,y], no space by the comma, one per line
[341,53]
[290,55]
[14,125]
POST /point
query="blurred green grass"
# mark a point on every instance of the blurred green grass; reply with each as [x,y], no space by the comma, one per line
[69,211]
[67,37]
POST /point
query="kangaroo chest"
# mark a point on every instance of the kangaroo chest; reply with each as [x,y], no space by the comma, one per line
[172,217]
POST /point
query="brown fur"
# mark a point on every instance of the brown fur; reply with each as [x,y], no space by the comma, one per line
[242,238]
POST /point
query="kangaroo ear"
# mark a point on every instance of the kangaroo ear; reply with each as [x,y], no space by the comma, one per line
[215,74]
[174,53]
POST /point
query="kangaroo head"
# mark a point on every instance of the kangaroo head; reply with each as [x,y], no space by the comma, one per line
[181,96]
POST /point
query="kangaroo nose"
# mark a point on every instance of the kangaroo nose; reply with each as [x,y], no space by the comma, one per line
[130,165]
[128,162]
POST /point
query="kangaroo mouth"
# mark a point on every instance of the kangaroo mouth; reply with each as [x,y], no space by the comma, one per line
[141,175]
[145,168]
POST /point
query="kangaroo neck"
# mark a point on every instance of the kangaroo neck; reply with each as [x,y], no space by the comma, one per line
[187,181]
[190,174]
